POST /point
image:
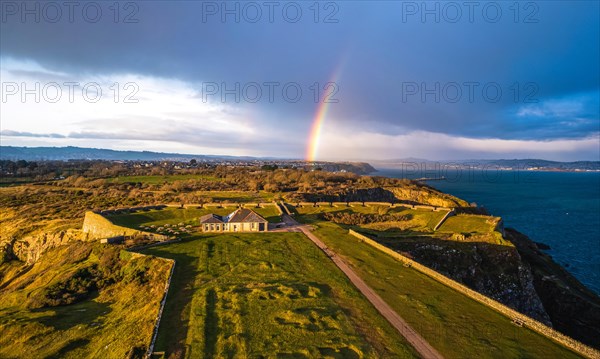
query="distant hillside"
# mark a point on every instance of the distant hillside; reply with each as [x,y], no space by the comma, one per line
[79,153]
[11,153]
[521,164]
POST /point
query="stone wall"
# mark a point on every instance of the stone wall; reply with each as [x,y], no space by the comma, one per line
[285,208]
[501,308]
[449,214]
[96,226]
[279,210]
[367,204]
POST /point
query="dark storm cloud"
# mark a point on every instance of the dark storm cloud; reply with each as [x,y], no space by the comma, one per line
[535,56]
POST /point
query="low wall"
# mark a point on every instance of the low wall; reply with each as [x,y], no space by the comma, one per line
[279,210]
[285,208]
[220,204]
[424,206]
[497,306]
[449,214]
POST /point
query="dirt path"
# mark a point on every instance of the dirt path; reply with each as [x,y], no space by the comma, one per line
[422,347]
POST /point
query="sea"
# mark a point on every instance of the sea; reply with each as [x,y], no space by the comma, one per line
[560,209]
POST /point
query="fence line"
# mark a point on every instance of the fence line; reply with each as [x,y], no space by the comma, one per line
[528,322]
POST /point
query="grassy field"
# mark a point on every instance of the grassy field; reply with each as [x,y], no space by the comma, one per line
[418,223]
[268,295]
[468,224]
[420,220]
[108,324]
[187,216]
[238,196]
[455,325]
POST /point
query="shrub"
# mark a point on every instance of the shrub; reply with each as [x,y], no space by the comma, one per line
[73,289]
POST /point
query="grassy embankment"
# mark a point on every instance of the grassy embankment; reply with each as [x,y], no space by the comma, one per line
[267,295]
[114,299]
[455,325]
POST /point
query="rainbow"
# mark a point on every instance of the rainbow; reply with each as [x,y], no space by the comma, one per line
[315,131]
[314,137]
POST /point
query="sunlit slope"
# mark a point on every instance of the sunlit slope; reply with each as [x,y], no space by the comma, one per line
[80,300]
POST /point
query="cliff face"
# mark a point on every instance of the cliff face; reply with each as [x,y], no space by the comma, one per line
[520,276]
[30,248]
[427,195]
[411,193]
[572,308]
[25,240]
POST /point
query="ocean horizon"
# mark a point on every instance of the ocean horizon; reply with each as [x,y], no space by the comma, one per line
[559,209]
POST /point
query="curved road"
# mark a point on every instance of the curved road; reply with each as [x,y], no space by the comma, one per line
[421,346]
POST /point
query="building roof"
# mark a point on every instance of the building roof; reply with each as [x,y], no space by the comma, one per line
[211,218]
[245,215]
[241,215]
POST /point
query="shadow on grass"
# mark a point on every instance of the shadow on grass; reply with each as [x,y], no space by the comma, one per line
[69,316]
[70,346]
[211,325]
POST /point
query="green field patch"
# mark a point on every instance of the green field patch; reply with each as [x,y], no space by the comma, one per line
[167,216]
[237,196]
[161,179]
[268,212]
[469,224]
[269,295]
[416,220]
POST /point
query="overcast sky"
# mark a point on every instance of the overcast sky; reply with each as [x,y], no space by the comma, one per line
[436,80]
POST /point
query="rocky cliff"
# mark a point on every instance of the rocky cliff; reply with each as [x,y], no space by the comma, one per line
[30,248]
[572,308]
[26,240]
[494,270]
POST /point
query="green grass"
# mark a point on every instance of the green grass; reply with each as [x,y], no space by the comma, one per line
[269,295]
[238,196]
[468,224]
[169,215]
[11,181]
[457,326]
[269,213]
